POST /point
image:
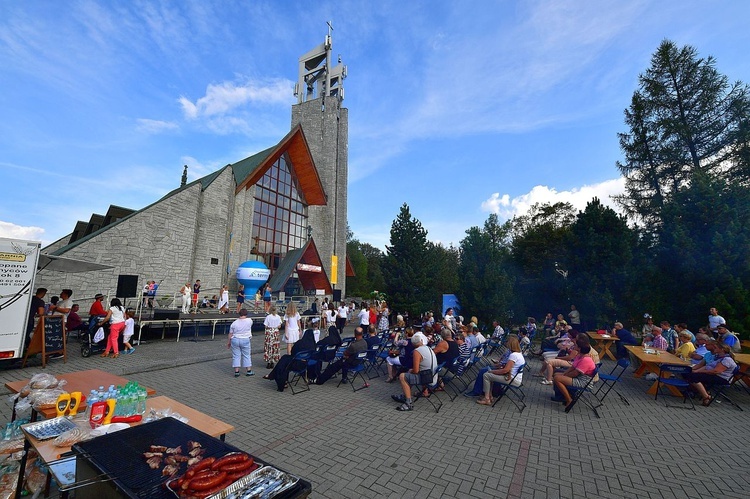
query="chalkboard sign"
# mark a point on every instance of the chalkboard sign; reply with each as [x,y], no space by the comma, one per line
[54,334]
[49,338]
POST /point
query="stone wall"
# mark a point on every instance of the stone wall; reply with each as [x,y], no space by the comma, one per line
[155,243]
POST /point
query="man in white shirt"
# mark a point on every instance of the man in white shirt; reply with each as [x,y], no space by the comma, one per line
[714,319]
[64,305]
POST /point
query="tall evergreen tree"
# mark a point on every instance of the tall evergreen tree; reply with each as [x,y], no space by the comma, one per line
[486,286]
[685,118]
[599,259]
[407,267]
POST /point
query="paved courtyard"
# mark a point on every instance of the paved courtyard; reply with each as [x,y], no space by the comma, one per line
[357,445]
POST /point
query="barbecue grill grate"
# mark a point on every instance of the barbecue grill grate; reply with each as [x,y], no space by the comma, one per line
[120,455]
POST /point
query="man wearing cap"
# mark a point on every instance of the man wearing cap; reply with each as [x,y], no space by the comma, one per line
[348,360]
[97,308]
[728,338]
[714,319]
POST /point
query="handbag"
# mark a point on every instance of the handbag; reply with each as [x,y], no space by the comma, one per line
[426,375]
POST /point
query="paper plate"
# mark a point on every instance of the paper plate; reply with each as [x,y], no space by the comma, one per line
[108,428]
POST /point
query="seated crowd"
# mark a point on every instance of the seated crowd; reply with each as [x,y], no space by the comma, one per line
[415,356]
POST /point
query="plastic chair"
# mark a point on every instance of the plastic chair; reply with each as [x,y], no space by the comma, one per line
[718,391]
[608,382]
[514,393]
[679,383]
[301,359]
[358,369]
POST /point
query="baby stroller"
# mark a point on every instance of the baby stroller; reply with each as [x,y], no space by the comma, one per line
[89,346]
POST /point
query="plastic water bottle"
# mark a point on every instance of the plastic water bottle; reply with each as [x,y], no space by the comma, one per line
[142,401]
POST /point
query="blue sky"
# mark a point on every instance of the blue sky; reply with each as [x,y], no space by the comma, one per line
[459,109]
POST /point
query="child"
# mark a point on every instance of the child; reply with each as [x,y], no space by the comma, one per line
[525,342]
[128,331]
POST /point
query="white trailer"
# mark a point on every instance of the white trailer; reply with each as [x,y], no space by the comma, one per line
[18,264]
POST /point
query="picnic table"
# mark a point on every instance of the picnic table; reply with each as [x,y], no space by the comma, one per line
[602,344]
[650,362]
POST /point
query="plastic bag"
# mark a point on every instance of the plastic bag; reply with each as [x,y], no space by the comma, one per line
[44,399]
[11,446]
[43,380]
[99,335]
[71,437]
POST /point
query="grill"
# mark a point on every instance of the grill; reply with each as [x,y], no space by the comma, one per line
[119,455]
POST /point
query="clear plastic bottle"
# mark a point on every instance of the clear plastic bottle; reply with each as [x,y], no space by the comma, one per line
[142,401]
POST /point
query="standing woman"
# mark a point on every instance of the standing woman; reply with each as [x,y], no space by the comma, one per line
[186,291]
[342,315]
[271,343]
[240,333]
[240,297]
[330,315]
[373,315]
[291,326]
[223,305]
[267,297]
[383,323]
[116,316]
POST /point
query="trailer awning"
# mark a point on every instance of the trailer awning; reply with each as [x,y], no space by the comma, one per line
[63,264]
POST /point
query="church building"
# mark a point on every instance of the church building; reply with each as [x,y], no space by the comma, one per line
[285,206]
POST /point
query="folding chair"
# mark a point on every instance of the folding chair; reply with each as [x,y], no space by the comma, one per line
[418,390]
[679,383]
[346,341]
[514,393]
[579,393]
[718,391]
[452,378]
[357,370]
[372,362]
[608,382]
[302,358]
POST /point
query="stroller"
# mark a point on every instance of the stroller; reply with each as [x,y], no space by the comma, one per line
[89,346]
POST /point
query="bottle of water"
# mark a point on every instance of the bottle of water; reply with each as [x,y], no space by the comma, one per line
[142,401]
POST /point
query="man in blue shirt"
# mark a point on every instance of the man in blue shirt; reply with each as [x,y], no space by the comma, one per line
[626,338]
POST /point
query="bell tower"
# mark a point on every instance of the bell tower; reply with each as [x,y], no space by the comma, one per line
[325,123]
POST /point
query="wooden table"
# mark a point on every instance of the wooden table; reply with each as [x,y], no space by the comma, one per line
[745,343]
[650,363]
[63,466]
[79,381]
[603,343]
[742,360]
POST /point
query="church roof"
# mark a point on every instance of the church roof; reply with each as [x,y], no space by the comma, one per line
[312,278]
[250,170]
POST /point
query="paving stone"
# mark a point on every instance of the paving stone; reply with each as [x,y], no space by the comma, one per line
[334,437]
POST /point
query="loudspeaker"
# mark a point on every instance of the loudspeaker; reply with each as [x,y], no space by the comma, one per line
[336,295]
[160,315]
[127,286]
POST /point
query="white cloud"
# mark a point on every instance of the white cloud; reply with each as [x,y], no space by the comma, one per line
[506,208]
[223,98]
[155,126]
[13,231]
